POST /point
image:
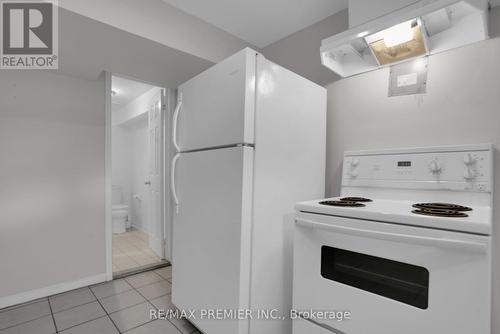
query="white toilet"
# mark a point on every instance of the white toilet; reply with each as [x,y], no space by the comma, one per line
[119,211]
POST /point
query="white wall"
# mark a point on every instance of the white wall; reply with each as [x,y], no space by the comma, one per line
[51,185]
[52,160]
[299,52]
[130,162]
[494,22]
[102,47]
[462,106]
[134,108]
[362,11]
[121,162]
[161,23]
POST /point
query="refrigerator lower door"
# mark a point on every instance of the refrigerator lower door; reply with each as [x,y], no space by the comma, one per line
[211,236]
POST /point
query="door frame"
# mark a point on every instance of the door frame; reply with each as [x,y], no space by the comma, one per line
[108,178]
[167,98]
[164,155]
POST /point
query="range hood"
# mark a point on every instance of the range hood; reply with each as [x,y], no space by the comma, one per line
[418,29]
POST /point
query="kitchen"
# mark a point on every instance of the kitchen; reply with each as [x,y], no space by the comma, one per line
[457,108]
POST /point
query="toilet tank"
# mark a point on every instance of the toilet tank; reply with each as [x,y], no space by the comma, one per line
[116,195]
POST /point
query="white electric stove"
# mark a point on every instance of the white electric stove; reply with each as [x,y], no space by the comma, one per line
[406,248]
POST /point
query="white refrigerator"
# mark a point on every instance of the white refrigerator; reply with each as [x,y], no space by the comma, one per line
[251,141]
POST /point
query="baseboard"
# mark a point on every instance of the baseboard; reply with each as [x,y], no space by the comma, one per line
[140,228]
[50,290]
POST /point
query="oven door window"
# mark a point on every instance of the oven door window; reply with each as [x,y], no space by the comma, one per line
[399,281]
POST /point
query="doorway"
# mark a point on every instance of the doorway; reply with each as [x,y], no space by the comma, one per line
[136,155]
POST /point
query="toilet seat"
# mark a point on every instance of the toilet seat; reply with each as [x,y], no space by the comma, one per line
[120,218]
[120,213]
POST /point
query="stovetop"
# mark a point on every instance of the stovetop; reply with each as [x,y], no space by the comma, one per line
[433,209]
[447,188]
[455,217]
[342,203]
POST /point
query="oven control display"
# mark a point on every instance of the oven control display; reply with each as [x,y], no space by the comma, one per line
[404,163]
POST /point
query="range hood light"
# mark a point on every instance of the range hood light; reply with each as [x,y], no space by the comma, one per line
[395,44]
[398,34]
[423,28]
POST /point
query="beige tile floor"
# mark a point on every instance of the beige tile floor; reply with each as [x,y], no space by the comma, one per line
[131,250]
[119,306]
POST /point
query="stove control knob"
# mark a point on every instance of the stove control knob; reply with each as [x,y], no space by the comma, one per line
[469,174]
[469,159]
[355,162]
[353,173]
[435,167]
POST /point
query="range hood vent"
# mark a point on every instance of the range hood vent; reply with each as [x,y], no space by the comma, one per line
[420,29]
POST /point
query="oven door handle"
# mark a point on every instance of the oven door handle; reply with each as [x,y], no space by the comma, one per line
[455,244]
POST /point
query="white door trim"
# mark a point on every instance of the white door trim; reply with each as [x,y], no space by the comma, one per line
[156,118]
[166,217]
[169,98]
[108,179]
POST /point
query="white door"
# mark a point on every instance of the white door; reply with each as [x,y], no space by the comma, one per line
[391,278]
[155,175]
[218,105]
[211,234]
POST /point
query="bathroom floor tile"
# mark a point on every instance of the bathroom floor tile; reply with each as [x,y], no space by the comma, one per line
[43,325]
[121,301]
[125,261]
[143,259]
[155,290]
[143,279]
[131,250]
[24,313]
[99,326]
[110,288]
[117,251]
[78,315]
[71,299]
[150,253]
[132,317]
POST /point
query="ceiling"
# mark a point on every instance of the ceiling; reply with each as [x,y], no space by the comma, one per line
[126,91]
[260,22]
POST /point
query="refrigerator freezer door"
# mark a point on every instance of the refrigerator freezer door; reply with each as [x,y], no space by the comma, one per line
[211,235]
[218,105]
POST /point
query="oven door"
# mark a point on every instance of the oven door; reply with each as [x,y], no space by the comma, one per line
[391,278]
[304,326]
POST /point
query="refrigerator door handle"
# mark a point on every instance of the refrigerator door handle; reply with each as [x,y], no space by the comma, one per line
[175,120]
[172,182]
